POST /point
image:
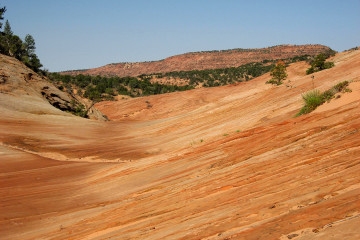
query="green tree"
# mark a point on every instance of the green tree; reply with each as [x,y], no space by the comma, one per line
[278,73]
[29,45]
[33,62]
[2,11]
[8,41]
[7,29]
[319,64]
[2,39]
[30,58]
[15,47]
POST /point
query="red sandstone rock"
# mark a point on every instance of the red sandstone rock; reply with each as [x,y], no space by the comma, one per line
[203,60]
[208,163]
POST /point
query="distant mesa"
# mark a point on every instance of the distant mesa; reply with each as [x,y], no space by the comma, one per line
[203,60]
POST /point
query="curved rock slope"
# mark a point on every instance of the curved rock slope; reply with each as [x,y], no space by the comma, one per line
[203,60]
[23,90]
[213,163]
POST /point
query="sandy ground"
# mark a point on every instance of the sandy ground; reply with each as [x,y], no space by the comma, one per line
[215,163]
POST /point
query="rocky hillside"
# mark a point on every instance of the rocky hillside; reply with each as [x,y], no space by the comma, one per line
[203,60]
[26,91]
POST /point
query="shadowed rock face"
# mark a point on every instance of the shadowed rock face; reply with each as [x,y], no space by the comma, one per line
[203,60]
[214,163]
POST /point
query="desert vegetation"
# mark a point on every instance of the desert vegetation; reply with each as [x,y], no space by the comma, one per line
[278,73]
[203,60]
[319,62]
[78,109]
[221,76]
[315,98]
[105,88]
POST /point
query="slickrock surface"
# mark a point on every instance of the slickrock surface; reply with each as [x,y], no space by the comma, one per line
[23,90]
[203,60]
[213,163]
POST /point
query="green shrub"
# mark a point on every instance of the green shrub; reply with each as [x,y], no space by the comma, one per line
[315,98]
[328,65]
[319,64]
[310,70]
[78,109]
[328,94]
[312,100]
[341,86]
[274,82]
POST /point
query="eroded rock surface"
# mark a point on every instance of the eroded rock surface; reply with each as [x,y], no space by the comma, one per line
[217,163]
[22,88]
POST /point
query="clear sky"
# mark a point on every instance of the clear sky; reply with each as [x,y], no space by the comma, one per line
[79,34]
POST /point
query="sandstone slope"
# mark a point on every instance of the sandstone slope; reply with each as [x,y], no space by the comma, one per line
[203,60]
[23,90]
[212,163]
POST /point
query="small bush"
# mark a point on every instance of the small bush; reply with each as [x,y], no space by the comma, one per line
[274,82]
[341,86]
[78,109]
[328,65]
[315,98]
[353,49]
[328,95]
[310,70]
[312,100]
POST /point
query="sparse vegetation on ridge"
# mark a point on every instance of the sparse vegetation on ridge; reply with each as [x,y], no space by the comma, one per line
[319,62]
[225,76]
[352,49]
[12,45]
[315,98]
[221,76]
[105,88]
[197,60]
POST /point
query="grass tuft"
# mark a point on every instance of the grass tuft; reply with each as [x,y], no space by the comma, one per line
[315,98]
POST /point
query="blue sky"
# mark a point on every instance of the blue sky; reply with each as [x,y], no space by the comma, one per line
[79,34]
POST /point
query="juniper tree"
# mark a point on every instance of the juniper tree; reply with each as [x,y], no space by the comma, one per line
[278,73]
[319,64]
